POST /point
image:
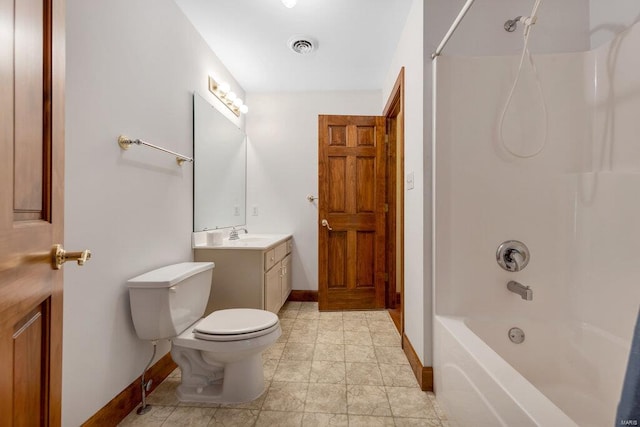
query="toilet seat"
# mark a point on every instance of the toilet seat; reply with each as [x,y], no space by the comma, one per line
[236,324]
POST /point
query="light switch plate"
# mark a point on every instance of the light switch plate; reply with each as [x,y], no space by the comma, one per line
[410,181]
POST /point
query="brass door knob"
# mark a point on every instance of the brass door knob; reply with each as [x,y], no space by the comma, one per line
[59,256]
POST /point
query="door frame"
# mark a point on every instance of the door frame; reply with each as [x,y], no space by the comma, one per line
[394,111]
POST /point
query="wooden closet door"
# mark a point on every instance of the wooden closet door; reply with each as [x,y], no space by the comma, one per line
[352,160]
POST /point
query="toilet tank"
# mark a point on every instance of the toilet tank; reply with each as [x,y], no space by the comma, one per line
[164,302]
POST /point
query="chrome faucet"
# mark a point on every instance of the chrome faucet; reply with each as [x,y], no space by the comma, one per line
[233,235]
[524,291]
[512,255]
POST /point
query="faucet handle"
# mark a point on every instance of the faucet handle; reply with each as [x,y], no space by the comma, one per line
[514,259]
[512,255]
[233,234]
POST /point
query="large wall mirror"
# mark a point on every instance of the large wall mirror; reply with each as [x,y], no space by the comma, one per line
[220,163]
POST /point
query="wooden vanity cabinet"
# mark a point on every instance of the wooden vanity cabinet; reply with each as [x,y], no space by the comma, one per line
[249,278]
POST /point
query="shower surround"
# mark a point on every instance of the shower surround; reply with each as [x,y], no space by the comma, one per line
[574,205]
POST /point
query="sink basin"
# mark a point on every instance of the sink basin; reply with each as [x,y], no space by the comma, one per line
[250,239]
[246,241]
[254,241]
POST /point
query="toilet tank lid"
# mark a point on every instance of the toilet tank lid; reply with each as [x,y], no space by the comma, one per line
[168,276]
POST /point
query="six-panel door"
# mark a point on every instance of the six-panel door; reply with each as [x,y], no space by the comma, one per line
[352,209]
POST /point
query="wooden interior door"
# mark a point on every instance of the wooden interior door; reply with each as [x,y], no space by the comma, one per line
[352,159]
[31,210]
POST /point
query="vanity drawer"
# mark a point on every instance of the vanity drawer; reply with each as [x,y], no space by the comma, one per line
[269,259]
[281,251]
[289,245]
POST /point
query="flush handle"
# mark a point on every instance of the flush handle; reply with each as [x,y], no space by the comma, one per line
[325,223]
[59,256]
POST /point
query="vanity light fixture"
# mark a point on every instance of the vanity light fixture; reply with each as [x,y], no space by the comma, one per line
[225,88]
[222,90]
[289,3]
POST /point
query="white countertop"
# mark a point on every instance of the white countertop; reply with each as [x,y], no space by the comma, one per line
[246,241]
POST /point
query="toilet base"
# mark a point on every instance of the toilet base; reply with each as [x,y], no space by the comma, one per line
[234,382]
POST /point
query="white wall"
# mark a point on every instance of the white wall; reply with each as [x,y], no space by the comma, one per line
[610,18]
[417,289]
[604,269]
[282,166]
[132,66]
[486,196]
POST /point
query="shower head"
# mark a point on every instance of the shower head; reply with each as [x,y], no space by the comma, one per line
[512,24]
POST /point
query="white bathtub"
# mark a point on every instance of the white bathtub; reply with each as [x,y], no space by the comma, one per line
[568,375]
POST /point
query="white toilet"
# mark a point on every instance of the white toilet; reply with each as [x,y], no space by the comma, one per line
[220,356]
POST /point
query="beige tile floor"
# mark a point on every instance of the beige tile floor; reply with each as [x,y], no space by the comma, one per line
[327,369]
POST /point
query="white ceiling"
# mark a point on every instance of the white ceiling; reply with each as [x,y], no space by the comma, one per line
[356,41]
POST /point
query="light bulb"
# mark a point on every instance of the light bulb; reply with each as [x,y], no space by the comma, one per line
[238,103]
[289,3]
[231,96]
[244,109]
[224,88]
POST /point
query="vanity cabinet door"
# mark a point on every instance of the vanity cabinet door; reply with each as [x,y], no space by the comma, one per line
[286,278]
[272,290]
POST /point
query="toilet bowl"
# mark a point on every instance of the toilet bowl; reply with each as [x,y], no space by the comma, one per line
[220,356]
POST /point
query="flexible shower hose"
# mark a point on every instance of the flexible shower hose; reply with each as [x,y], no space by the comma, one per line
[528,22]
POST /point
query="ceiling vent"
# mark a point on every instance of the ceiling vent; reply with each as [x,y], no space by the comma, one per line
[302,45]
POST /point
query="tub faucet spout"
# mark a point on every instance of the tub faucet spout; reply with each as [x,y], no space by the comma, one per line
[524,291]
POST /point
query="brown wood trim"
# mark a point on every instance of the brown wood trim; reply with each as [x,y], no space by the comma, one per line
[394,111]
[424,374]
[396,95]
[306,296]
[125,402]
[395,316]
[427,378]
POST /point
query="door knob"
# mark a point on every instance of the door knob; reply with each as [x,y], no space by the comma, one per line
[325,223]
[59,256]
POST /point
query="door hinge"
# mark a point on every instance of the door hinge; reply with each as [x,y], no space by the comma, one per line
[386,138]
[386,207]
[386,277]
